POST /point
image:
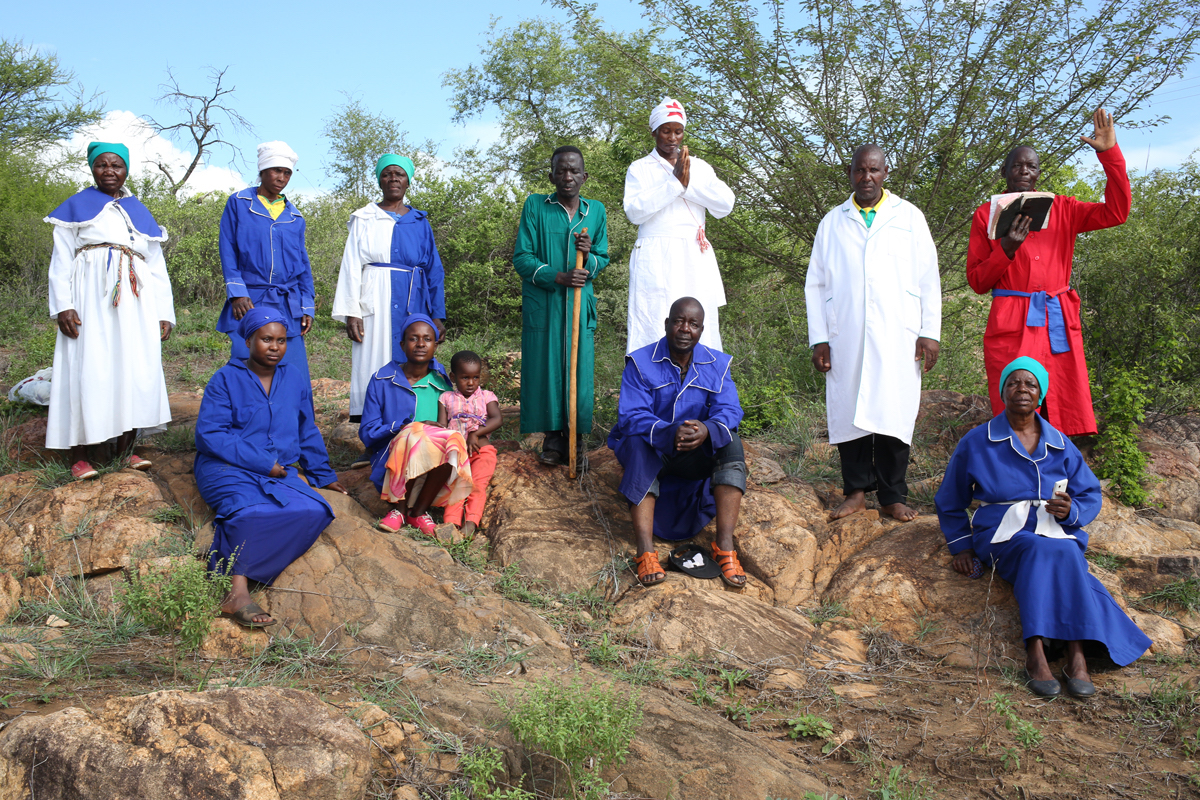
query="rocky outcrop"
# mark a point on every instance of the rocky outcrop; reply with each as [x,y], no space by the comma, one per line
[250,744]
[359,586]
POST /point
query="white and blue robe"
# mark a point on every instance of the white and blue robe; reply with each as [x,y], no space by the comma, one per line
[1040,556]
[390,269]
[110,379]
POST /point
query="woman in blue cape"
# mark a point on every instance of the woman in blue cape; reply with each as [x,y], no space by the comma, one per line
[1036,493]
[111,297]
[263,256]
[255,428]
[390,269]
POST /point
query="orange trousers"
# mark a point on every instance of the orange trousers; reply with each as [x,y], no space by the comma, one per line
[483,466]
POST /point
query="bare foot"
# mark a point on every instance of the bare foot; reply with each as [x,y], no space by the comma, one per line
[900,512]
[857,501]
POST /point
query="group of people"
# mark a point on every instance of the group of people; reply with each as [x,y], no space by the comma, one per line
[874,313]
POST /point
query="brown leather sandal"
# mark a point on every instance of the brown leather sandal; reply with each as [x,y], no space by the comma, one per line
[647,566]
[731,568]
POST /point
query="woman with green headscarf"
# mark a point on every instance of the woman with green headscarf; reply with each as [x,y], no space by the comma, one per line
[111,298]
[390,269]
[1035,494]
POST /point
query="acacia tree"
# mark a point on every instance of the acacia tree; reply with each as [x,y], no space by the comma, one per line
[780,93]
[40,101]
[207,116]
[357,137]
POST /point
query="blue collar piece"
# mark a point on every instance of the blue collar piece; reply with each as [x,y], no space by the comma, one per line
[999,430]
[86,205]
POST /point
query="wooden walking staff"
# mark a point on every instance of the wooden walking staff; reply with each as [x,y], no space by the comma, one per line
[572,420]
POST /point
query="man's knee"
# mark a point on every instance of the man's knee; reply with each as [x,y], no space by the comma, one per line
[730,469]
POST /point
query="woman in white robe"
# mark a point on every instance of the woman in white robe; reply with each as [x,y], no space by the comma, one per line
[390,269]
[111,297]
[667,195]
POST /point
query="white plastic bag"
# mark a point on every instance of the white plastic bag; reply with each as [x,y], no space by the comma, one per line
[33,390]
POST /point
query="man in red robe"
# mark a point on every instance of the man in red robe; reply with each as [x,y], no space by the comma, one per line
[1035,312]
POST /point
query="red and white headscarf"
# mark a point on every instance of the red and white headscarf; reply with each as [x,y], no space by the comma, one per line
[669,110]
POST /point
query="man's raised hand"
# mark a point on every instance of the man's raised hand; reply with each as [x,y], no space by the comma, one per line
[683,167]
[1104,135]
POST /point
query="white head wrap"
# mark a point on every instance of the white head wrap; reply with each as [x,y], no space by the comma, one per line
[276,154]
[669,110]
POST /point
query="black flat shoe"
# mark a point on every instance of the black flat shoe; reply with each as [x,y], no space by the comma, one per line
[1050,688]
[551,458]
[1077,687]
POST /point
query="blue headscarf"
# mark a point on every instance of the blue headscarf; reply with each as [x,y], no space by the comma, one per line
[258,317]
[97,149]
[1029,365]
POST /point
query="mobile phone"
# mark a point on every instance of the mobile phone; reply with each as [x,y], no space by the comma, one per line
[1060,486]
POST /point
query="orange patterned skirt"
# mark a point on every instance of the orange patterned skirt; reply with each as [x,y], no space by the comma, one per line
[419,448]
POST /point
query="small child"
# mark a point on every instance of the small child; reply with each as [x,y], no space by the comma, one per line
[474,412]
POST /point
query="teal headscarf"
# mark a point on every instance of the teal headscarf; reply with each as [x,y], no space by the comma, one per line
[388,159]
[97,149]
[1029,365]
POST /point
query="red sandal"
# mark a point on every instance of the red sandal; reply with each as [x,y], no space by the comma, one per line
[731,568]
[648,565]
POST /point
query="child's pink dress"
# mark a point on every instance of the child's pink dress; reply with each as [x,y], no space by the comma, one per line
[467,414]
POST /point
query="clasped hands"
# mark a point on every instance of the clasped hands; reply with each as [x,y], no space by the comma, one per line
[690,434]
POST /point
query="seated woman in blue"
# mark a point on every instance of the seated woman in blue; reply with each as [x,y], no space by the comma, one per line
[413,460]
[1036,493]
[255,427]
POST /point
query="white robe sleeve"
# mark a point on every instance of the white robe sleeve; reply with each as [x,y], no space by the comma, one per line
[814,290]
[928,280]
[346,299]
[647,193]
[62,264]
[160,281]
[706,189]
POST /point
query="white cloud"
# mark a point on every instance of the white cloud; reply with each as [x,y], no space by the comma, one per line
[147,149]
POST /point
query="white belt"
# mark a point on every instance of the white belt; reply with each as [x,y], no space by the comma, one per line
[1018,513]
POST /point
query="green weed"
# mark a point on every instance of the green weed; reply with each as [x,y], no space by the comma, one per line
[895,785]
[826,611]
[477,661]
[179,600]
[603,653]
[584,726]
[732,678]
[807,725]
[177,438]
[1105,561]
[1025,732]
[1183,594]
[480,768]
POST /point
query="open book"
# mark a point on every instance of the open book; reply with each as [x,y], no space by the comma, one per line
[1007,207]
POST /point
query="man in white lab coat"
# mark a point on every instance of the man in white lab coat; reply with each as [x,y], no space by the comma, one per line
[668,195]
[874,318]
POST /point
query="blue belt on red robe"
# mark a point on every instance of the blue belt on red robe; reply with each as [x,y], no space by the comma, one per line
[1044,308]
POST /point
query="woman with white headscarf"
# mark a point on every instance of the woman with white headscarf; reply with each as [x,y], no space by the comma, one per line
[667,194]
[264,258]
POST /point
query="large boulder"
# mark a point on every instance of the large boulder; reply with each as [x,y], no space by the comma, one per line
[249,744]
[81,528]
[360,586]
[1174,463]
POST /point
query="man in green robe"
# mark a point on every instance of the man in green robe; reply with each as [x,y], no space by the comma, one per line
[550,235]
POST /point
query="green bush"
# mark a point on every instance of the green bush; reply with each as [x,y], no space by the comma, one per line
[180,599]
[1123,402]
[577,724]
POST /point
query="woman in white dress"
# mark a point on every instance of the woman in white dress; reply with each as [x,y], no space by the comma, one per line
[390,269]
[667,194]
[111,297]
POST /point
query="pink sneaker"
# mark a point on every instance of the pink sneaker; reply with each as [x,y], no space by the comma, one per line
[138,463]
[423,523]
[391,523]
[82,471]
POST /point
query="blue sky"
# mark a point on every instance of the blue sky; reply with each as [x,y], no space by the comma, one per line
[292,64]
